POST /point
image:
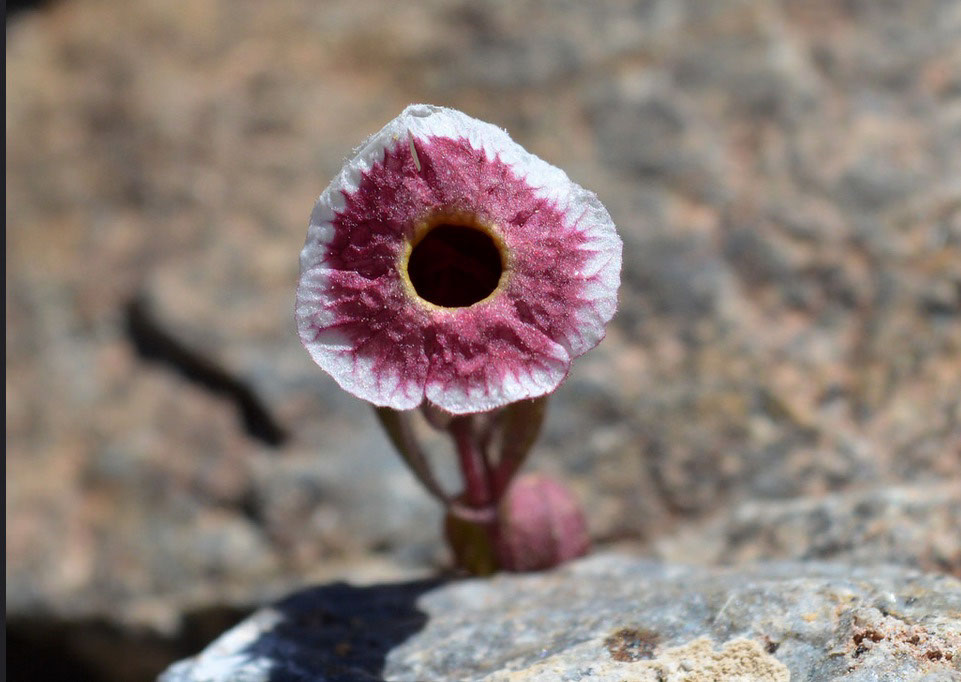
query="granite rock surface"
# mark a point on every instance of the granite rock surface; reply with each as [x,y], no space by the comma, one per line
[787,180]
[606,619]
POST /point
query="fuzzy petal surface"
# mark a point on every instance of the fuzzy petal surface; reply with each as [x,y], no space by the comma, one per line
[381,341]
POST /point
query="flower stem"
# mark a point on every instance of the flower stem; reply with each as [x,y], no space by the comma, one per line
[473,467]
[521,423]
[401,433]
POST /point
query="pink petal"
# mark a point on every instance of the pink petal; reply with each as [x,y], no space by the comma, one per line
[361,324]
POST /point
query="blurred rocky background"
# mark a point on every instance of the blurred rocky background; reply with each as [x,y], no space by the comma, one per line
[783,379]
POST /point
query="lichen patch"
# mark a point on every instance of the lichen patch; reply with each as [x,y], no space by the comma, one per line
[738,659]
[632,644]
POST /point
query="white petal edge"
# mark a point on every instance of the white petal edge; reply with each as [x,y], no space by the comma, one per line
[582,207]
[481,397]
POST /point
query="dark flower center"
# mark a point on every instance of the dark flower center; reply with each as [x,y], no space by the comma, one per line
[455,266]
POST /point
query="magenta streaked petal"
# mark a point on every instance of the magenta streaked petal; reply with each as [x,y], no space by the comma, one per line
[488,359]
[358,313]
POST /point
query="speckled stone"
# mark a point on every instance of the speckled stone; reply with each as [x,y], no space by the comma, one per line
[606,618]
[786,177]
[918,526]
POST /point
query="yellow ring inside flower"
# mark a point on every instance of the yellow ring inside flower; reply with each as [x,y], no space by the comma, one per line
[454,260]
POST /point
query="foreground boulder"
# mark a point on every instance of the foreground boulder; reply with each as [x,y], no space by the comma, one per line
[606,618]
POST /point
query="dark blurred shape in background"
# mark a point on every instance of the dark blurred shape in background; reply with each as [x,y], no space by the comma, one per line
[14,7]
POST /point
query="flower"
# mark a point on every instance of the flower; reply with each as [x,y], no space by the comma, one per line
[447,263]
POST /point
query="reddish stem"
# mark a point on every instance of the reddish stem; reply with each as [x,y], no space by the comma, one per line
[502,475]
[472,464]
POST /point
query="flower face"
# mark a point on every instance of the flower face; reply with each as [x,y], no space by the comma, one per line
[445,262]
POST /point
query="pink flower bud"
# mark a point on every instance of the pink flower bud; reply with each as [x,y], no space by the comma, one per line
[539,525]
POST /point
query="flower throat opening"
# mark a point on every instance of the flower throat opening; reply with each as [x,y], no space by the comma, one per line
[455,266]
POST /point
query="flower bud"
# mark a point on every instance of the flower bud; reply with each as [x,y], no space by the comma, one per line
[539,525]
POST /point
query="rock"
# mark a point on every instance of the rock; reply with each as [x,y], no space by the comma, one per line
[606,618]
[787,183]
[917,526]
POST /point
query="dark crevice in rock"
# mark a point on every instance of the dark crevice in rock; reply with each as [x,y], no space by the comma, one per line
[53,649]
[156,344]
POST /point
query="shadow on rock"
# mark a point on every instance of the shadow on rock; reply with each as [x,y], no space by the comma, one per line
[335,633]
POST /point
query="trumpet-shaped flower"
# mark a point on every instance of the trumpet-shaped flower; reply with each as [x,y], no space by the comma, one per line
[447,263]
